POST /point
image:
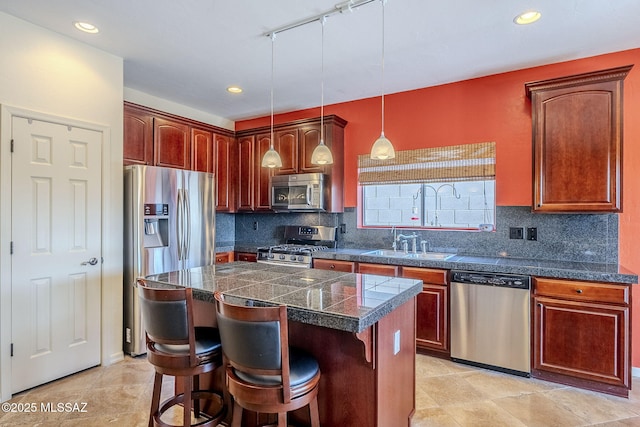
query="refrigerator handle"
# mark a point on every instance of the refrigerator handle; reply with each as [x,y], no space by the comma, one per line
[187,228]
[179,223]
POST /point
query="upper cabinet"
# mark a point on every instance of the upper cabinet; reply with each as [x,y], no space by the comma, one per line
[295,142]
[171,143]
[577,142]
[138,136]
[157,138]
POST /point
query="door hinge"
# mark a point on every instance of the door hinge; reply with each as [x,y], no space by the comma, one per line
[12,145]
[11,248]
[11,349]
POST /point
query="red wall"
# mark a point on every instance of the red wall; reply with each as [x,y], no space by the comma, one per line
[492,108]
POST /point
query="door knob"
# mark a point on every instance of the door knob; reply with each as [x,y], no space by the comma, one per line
[92,261]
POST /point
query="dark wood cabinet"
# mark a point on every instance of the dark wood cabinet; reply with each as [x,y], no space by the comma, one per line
[286,144]
[224,149]
[432,313]
[138,137]
[246,256]
[262,176]
[581,334]
[224,257]
[379,269]
[202,150]
[335,265]
[295,142]
[171,143]
[157,138]
[577,142]
[246,171]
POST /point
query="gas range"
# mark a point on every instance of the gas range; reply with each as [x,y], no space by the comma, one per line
[302,241]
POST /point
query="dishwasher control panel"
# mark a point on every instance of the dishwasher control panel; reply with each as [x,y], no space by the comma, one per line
[491,279]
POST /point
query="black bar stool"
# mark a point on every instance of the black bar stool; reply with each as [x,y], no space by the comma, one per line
[175,347]
[263,373]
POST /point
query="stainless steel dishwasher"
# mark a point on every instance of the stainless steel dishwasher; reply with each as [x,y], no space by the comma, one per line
[490,321]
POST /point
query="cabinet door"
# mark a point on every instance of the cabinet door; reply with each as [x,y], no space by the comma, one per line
[138,137]
[309,139]
[172,144]
[262,185]
[577,137]
[432,315]
[286,144]
[588,341]
[246,169]
[379,269]
[331,264]
[224,168]
[201,150]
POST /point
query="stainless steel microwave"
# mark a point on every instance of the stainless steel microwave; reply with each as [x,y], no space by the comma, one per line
[298,193]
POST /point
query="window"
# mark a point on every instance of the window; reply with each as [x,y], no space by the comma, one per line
[448,187]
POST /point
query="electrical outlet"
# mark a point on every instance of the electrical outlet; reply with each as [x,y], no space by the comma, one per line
[396,342]
[255,225]
[343,228]
[532,233]
[516,233]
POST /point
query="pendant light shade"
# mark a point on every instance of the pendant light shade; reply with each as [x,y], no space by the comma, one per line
[322,154]
[382,148]
[271,158]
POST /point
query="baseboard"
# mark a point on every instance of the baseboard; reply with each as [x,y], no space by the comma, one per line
[635,372]
[113,358]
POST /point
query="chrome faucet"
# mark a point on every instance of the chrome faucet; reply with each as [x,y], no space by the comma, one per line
[405,244]
[394,245]
[423,245]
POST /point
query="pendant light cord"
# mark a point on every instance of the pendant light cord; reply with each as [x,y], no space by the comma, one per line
[273,38]
[382,83]
[322,22]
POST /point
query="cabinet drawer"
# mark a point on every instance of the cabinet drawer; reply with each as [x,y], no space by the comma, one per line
[427,275]
[331,264]
[582,291]
[380,269]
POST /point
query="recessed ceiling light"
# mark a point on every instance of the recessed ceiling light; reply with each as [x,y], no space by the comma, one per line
[234,89]
[527,17]
[86,27]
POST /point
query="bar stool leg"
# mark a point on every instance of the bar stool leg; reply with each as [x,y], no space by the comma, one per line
[236,416]
[314,415]
[196,402]
[155,400]
[188,387]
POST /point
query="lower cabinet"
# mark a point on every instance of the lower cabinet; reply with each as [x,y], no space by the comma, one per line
[432,314]
[331,264]
[581,334]
[246,256]
[379,269]
[224,257]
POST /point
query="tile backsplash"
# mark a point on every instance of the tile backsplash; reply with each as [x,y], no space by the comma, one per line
[567,237]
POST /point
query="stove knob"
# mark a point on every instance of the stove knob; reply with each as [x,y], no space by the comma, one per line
[293,257]
[300,258]
[270,256]
[281,257]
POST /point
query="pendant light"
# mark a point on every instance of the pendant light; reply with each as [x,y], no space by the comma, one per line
[322,154]
[271,158]
[382,149]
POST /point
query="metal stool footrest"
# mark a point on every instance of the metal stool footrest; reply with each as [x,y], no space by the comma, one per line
[209,421]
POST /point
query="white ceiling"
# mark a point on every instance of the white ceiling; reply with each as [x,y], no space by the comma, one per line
[189,51]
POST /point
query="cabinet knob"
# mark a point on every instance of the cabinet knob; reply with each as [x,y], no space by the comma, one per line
[579,291]
[332,266]
[539,304]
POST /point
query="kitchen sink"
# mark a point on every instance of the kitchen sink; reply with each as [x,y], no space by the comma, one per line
[436,256]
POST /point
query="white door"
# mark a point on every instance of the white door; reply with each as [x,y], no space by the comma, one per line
[56,263]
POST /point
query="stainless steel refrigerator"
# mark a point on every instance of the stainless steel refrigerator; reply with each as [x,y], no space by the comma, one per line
[169,225]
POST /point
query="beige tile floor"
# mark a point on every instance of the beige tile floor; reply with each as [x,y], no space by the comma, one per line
[447,394]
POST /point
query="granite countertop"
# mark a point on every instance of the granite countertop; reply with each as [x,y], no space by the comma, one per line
[345,301]
[610,273]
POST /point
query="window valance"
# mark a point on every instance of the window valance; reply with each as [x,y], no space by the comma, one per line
[468,162]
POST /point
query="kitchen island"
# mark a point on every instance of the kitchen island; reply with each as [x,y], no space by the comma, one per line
[360,327]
